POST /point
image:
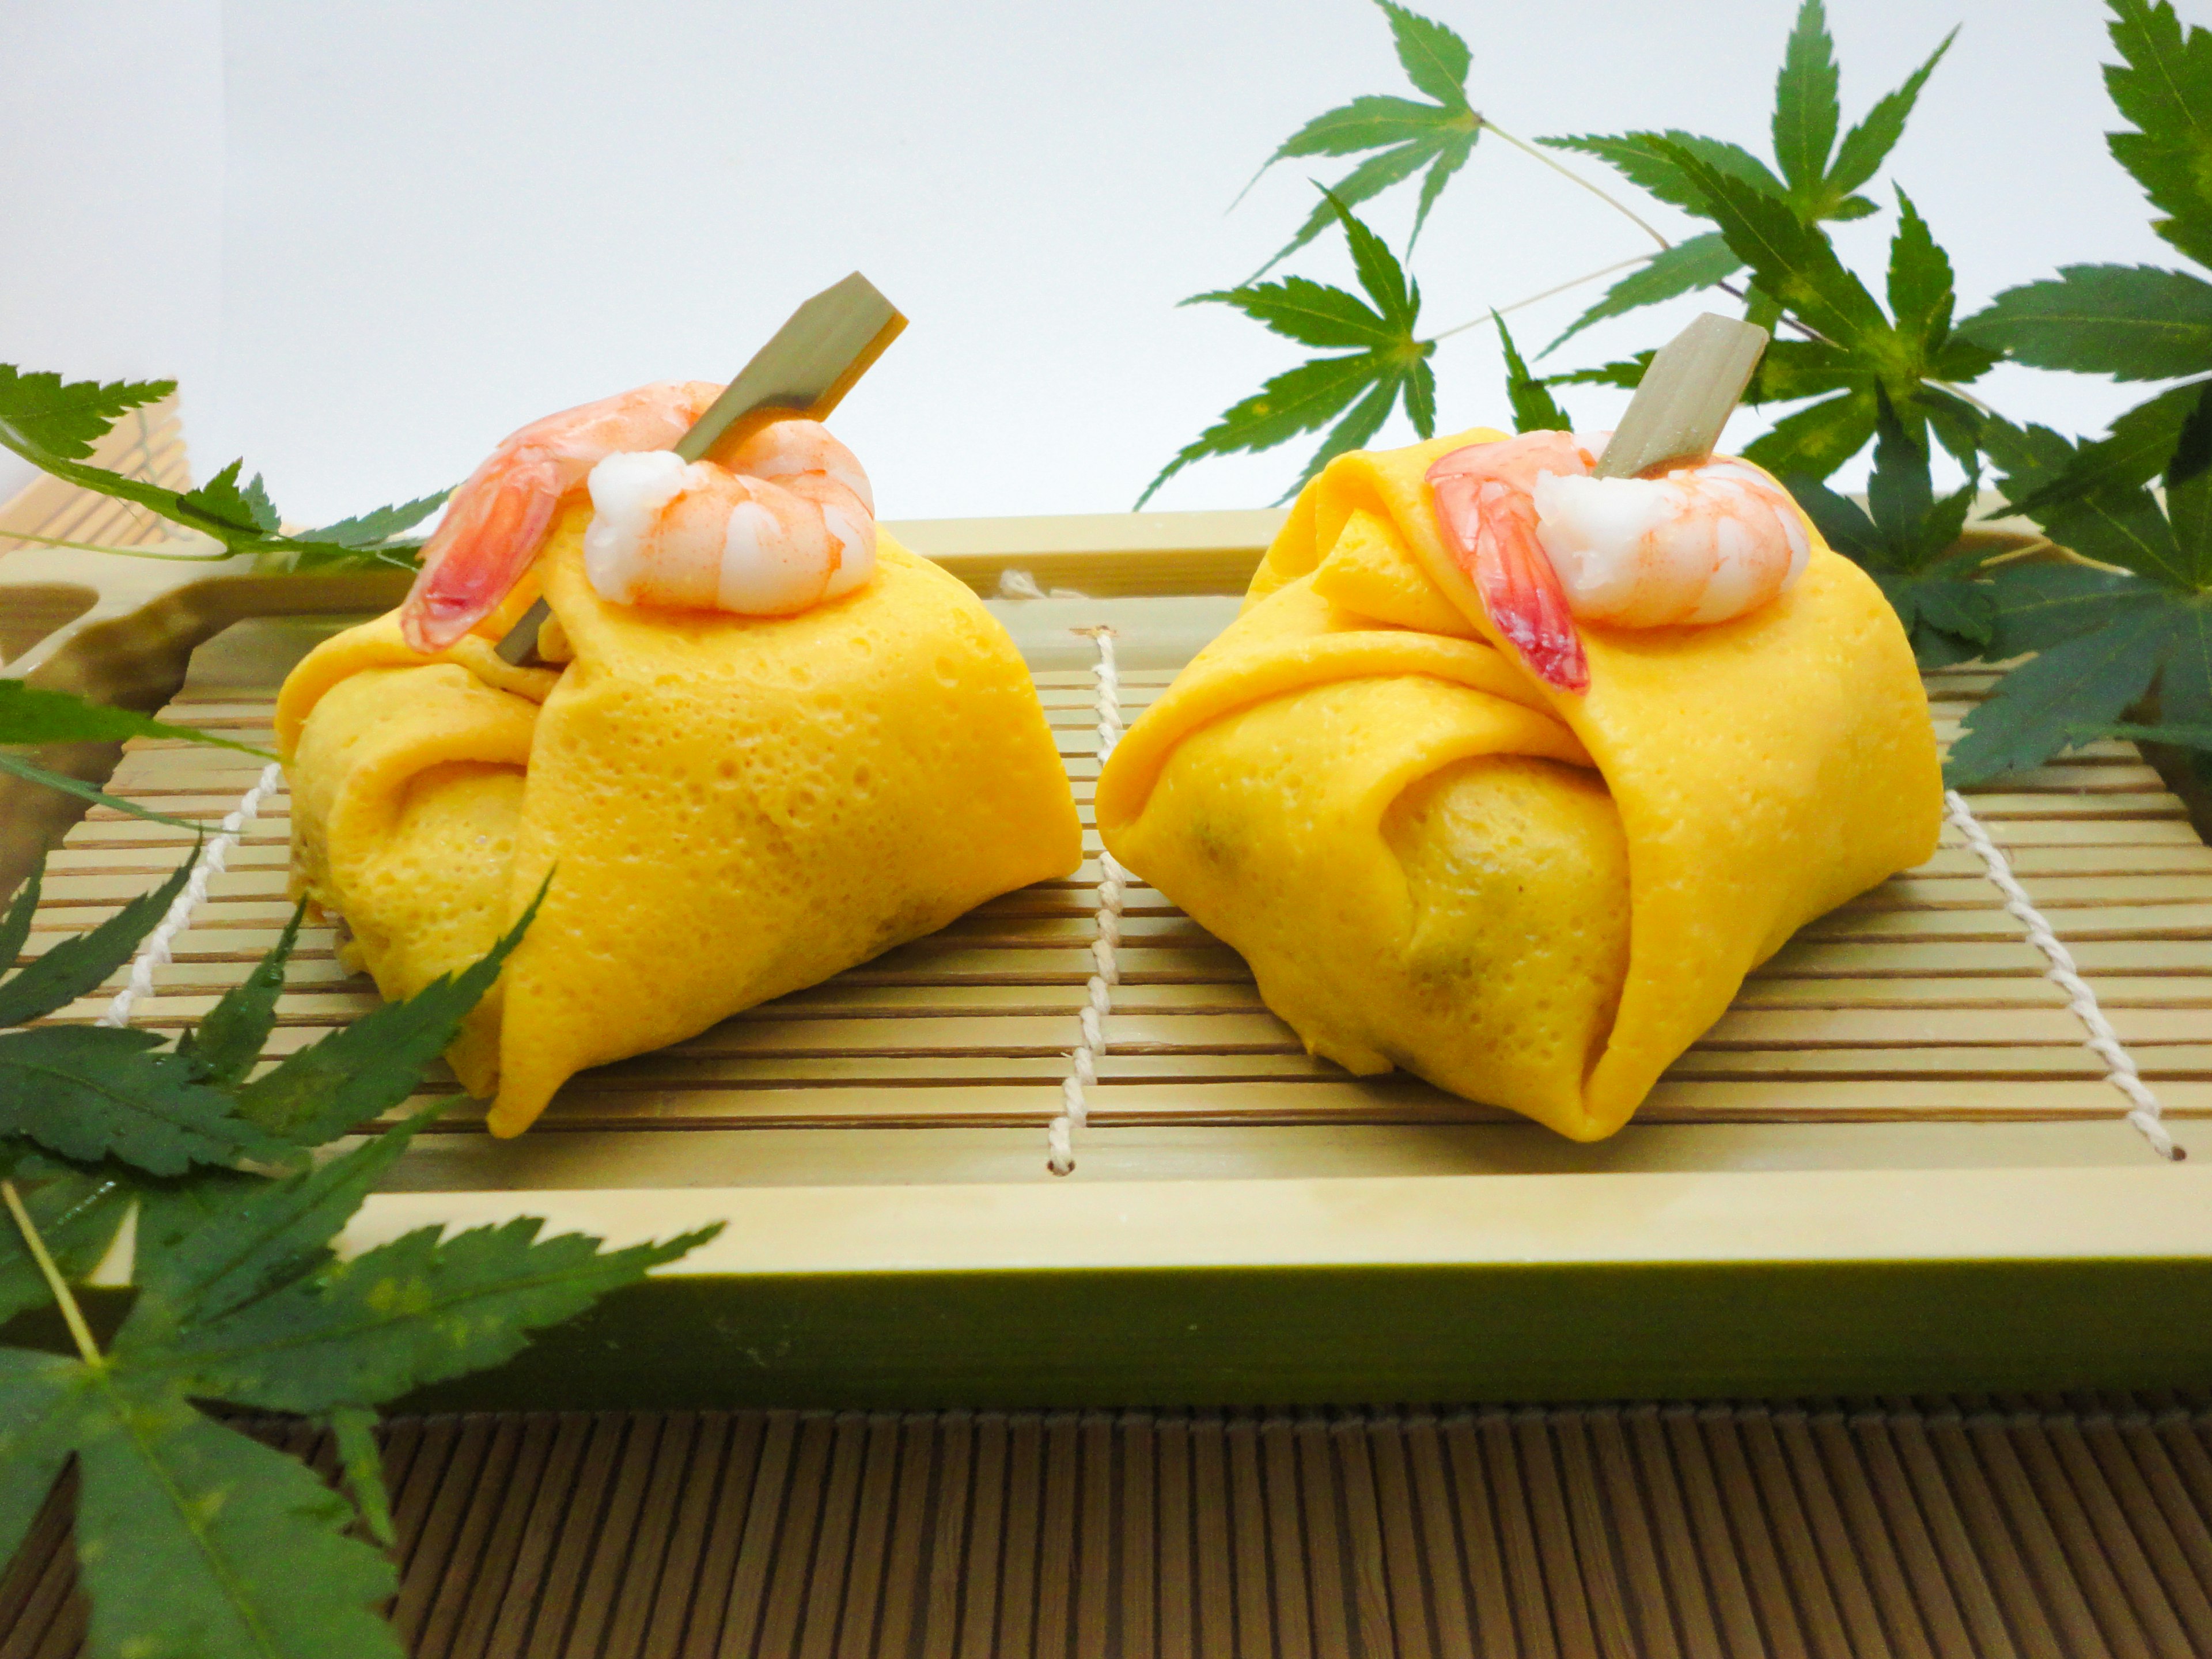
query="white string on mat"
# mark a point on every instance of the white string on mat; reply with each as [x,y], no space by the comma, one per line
[2103,1041]
[206,866]
[1021,584]
[1106,970]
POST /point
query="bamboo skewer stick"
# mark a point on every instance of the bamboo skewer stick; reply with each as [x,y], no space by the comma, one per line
[1685,396]
[805,369]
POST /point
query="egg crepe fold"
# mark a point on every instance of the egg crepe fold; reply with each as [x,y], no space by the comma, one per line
[729,807]
[1433,859]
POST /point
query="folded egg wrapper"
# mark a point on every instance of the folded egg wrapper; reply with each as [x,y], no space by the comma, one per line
[1921,998]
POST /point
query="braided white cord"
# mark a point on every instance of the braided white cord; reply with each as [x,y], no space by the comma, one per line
[155,952]
[1059,1134]
[2102,1041]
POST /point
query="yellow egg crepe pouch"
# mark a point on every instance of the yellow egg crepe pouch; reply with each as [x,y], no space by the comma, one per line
[730,807]
[1536,898]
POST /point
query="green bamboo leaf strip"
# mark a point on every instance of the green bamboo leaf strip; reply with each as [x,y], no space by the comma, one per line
[1684,398]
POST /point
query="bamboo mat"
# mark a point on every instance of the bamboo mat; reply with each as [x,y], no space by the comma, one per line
[1963,1529]
[145,443]
[1921,1002]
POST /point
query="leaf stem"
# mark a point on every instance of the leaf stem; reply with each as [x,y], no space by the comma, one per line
[73,1314]
[1620,207]
[1963,395]
[127,552]
[1564,171]
[1586,277]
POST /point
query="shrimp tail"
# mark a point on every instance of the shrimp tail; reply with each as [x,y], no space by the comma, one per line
[496,528]
[1493,536]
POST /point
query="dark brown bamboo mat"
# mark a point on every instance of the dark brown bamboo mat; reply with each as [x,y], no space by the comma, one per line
[1922,1529]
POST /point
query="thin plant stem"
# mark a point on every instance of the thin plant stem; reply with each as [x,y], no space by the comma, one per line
[1602,194]
[1586,277]
[1626,211]
[73,1314]
[127,552]
[1962,395]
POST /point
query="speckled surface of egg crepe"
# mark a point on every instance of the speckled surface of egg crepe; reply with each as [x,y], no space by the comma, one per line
[1534,898]
[730,807]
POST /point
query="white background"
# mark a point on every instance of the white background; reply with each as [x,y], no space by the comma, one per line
[371,239]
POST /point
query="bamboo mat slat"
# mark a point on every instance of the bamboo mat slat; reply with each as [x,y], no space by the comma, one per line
[1921,1002]
[145,443]
[1946,1528]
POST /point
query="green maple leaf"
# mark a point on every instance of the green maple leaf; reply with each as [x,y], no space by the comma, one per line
[2040,605]
[2132,322]
[2118,523]
[1405,134]
[1818,178]
[2103,638]
[1357,391]
[2141,444]
[2038,708]
[367,1067]
[76,966]
[194,1106]
[193,1539]
[54,425]
[1534,409]
[2135,322]
[371,530]
[33,715]
[77,1212]
[1697,263]
[1864,357]
[252,1308]
[31,772]
[186,1529]
[2163,86]
[67,418]
[247,505]
[1627,375]
[1903,538]
[90,1092]
[226,1044]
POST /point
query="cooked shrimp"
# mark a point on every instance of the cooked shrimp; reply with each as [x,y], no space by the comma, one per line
[789,523]
[500,517]
[1486,508]
[1546,542]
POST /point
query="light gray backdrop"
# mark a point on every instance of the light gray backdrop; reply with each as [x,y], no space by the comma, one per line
[371,239]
